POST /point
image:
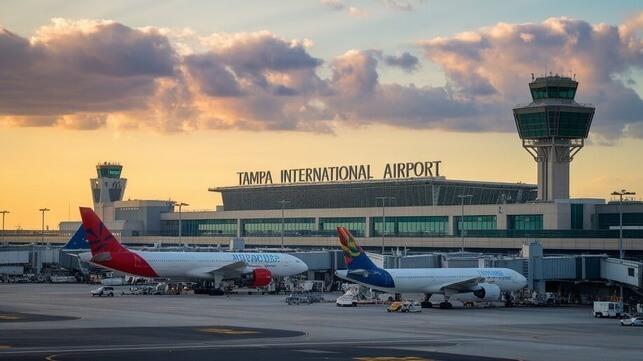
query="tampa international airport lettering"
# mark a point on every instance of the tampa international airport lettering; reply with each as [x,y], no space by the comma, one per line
[326,174]
[341,173]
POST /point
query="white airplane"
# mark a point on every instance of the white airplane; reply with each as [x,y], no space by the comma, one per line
[255,269]
[462,284]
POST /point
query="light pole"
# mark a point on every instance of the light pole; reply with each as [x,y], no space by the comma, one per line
[620,195]
[180,204]
[384,218]
[283,206]
[42,236]
[462,197]
[3,213]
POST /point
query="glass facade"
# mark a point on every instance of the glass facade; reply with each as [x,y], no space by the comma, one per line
[607,220]
[532,125]
[576,216]
[328,226]
[109,171]
[553,121]
[271,227]
[415,192]
[521,225]
[411,226]
[525,222]
[572,124]
[474,223]
[562,92]
[200,228]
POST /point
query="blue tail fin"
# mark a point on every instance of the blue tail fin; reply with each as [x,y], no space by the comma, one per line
[77,241]
[354,255]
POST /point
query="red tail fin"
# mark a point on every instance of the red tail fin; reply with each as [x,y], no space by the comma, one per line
[99,237]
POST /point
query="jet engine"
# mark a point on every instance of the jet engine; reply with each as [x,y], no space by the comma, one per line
[484,292]
[258,277]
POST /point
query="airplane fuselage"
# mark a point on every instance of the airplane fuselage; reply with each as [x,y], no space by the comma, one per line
[200,265]
[432,280]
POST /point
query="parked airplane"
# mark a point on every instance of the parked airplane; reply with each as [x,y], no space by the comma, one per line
[78,241]
[462,284]
[255,269]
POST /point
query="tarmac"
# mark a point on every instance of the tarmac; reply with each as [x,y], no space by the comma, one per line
[63,322]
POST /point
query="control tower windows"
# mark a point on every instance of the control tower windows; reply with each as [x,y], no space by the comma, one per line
[553,92]
[109,172]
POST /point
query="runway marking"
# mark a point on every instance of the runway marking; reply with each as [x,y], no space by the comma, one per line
[8,317]
[227,331]
[393,358]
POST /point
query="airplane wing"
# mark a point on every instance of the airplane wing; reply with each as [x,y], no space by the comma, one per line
[463,285]
[232,269]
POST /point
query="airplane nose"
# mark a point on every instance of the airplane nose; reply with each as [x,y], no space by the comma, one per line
[303,267]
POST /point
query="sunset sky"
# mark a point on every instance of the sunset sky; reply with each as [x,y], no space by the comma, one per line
[185,94]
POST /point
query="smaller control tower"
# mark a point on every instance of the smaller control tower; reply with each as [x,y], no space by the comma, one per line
[109,187]
[553,128]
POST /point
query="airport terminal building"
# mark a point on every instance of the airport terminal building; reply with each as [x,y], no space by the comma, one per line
[409,204]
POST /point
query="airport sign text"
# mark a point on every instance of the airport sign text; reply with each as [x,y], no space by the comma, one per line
[341,173]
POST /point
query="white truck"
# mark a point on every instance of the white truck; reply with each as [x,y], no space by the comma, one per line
[608,309]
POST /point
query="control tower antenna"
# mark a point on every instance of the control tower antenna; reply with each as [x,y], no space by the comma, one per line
[553,128]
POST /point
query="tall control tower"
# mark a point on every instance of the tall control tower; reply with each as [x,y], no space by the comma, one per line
[553,128]
[109,187]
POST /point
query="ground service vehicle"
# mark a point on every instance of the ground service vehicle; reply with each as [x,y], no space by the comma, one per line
[608,309]
[346,300]
[296,300]
[634,321]
[404,307]
[107,291]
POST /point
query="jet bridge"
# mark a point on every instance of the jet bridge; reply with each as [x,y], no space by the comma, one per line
[622,271]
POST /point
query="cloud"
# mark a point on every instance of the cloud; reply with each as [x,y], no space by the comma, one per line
[491,67]
[405,61]
[333,4]
[90,67]
[337,5]
[398,5]
[359,98]
[89,74]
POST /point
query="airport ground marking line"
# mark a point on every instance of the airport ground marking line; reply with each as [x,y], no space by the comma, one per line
[322,344]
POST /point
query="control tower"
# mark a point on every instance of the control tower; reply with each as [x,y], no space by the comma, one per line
[109,187]
[553,128]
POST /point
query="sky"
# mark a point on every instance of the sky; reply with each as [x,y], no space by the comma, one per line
[186,94]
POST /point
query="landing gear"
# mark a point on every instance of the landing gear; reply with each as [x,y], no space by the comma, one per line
[426,303]
[216,292]
[509,300]
[208,288]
